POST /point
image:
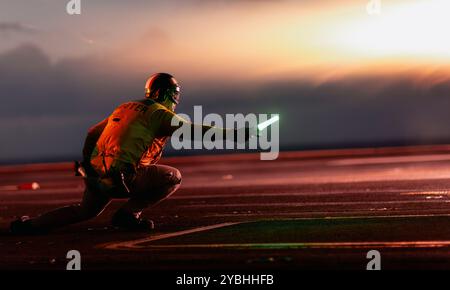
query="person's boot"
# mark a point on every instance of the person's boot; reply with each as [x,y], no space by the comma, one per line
[23,226]
[125,220]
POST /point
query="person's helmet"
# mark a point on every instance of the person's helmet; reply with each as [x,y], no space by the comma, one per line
[161,86]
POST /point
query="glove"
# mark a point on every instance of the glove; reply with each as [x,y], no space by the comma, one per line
[246,132]
[85,169]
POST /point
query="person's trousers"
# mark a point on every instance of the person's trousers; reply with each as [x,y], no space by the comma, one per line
[150,185]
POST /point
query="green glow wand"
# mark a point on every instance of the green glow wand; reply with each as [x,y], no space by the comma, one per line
[265,124]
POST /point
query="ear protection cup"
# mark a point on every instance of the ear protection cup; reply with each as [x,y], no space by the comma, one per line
[161,96]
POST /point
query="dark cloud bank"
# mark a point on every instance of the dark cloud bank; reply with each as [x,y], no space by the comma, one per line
[16,27]
[47,107]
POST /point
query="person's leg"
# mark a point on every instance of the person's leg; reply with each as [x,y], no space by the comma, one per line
[93,204]
[151,185]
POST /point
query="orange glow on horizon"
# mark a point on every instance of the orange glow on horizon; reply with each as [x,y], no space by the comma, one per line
[317,40]
[410,30]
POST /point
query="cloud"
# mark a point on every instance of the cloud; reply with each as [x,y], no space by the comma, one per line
[46,107]
[16,27]
[155,35]
[349,111]
[27,138]
[34,85]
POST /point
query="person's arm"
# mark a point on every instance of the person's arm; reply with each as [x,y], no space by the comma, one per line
[92,138]
[165,117]
[166,129]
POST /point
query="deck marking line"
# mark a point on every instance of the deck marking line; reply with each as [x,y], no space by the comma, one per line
[134,244]
[306,245]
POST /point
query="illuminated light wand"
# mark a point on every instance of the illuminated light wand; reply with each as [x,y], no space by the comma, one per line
[254,131]
[265,124]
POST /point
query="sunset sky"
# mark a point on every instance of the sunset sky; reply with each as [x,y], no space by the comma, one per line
[335,73]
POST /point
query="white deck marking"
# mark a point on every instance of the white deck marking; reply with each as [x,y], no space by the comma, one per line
[134,244]
[303,204]
[389,160]
[336,245]
[137,244]
[41,202]
[323,214]
[79,191]
[305,193]
[439,192]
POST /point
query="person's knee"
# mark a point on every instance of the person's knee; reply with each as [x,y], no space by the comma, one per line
[174,184]
[176,177]
[171,184]
[173,176]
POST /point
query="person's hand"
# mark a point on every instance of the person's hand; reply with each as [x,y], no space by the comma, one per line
[85,166]
[244,134]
